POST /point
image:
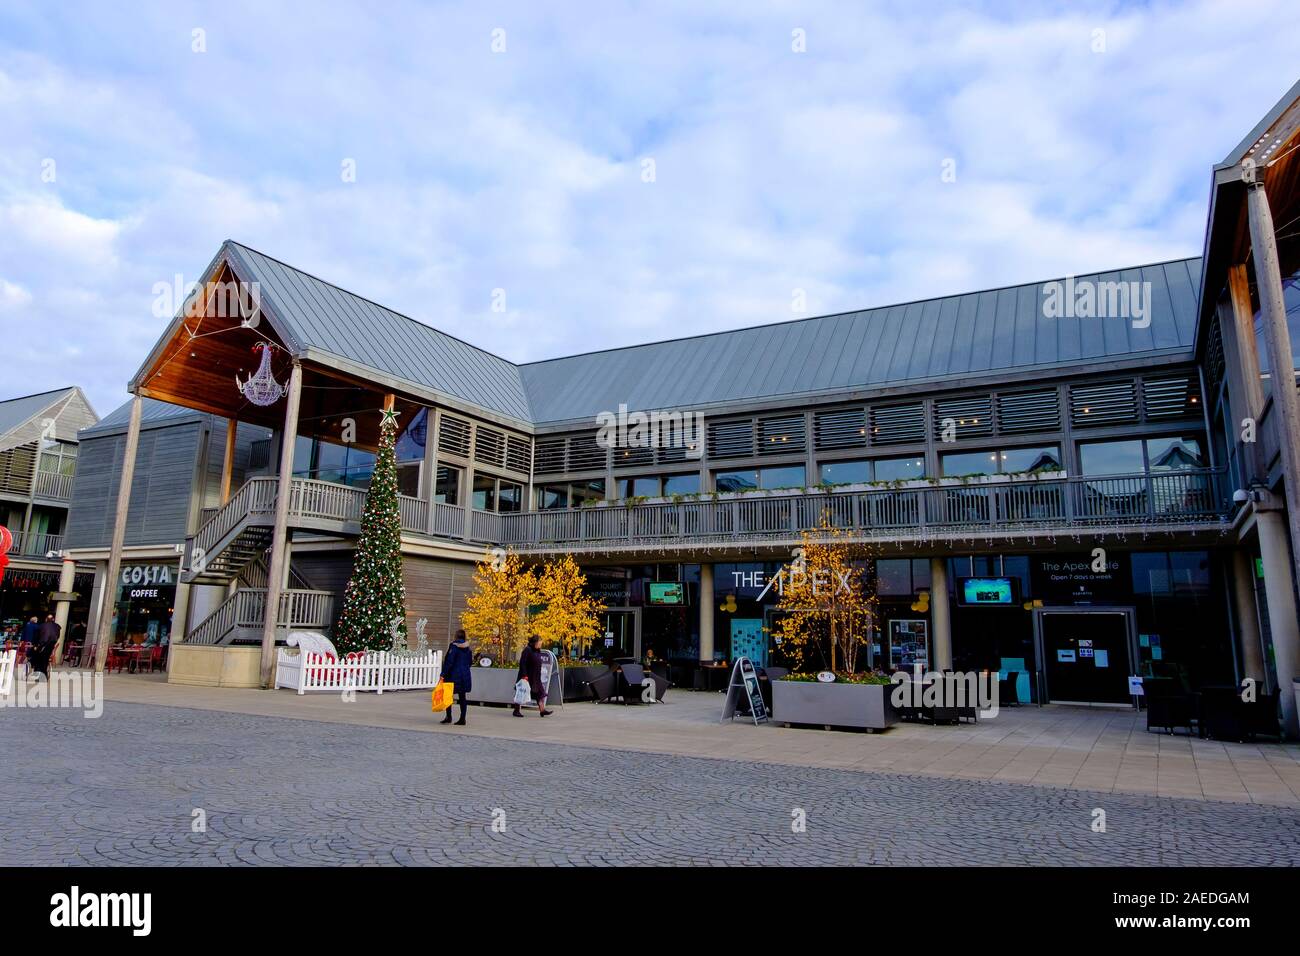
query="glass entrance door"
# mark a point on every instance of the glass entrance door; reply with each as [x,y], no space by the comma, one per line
[622,637]
[1086,655]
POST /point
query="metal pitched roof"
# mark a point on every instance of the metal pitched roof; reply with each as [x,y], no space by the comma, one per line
[18,411]
[324,317]
[953,337]
[152,412]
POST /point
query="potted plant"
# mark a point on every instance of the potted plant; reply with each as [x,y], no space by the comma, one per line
[828,607]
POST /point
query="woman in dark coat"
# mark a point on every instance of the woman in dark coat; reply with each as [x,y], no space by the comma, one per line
[456,671]
[530,668]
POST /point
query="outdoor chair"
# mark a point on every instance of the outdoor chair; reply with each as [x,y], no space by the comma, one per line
[946,712]
[1261,717]
[1008,694]
[1167,706]
[602,688]
[1223,714]
[631,677]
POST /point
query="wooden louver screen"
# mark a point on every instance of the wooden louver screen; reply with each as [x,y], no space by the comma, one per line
[453,436]
[896,424]
[585,454]
[731,439]
[1171,397]
[1038,411]
[489,446]
[971,415]
[518,454]
[1106,404]
[782,435]
[550,455]
[840,428]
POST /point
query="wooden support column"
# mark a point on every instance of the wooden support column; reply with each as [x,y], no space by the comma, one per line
[67,579]
[1243,592]
[429,480]
[279,536]
[105,624]
[706,613]
[940,615]
[1286,402]
[228,460]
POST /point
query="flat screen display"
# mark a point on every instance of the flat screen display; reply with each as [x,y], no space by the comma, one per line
[666,592]
[996,592]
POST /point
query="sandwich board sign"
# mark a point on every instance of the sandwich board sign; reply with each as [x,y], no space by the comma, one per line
[743,694]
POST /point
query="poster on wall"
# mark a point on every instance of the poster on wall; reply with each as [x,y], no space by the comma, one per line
[748,640]
[909,644]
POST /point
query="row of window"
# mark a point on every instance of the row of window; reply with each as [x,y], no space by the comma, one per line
[351,466]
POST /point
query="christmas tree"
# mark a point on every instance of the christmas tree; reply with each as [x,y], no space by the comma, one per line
[375,599]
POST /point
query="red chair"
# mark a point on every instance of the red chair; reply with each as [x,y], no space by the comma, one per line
[154,662]
[115,659]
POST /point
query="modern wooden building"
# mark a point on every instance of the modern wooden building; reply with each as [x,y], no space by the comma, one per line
[38,465]
[1054,478]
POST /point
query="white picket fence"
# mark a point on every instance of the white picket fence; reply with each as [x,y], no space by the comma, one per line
[374,670]
[7,659]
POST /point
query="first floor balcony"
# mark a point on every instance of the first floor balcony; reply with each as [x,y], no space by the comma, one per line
[949,510]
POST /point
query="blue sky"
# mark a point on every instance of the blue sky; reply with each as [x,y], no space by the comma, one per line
[1081,135]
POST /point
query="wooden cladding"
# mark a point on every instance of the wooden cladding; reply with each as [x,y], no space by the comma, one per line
[1129,401]
[453,436]
[17,465]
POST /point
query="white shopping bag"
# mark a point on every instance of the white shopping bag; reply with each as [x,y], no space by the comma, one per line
[522,693]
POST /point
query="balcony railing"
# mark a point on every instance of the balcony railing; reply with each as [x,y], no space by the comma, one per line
[1193,498]
[53,486]
[36,545]
[978,505]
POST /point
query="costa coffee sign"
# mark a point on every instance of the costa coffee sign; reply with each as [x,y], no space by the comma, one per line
[155,575]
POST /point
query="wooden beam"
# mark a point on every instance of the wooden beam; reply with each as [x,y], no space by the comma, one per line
[105,624]
[228,460]
[276,572]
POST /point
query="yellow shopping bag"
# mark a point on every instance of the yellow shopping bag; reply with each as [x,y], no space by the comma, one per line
[442,695]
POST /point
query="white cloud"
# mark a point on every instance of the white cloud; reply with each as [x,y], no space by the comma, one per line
[774,170]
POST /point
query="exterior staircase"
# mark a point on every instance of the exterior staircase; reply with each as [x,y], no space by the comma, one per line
[240,617]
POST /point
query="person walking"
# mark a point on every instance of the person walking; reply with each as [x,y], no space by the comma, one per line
[456,670]
[530,669]
[43,649]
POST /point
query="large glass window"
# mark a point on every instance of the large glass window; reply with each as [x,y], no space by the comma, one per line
[58,458]
[497,494]
[682,484]
[485,493]
[970,463]
[446,489]
[845,472]
[1137,456]
[1177,453]
[582,492]
[863,470]
[645,486]
[767,479]
[1111,457]
[1002,461]
[510,496]
[552,497]
[899,469]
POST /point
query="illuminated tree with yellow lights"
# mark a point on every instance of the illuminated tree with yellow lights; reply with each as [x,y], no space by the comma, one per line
[570,617]
[827,601]
[496,611]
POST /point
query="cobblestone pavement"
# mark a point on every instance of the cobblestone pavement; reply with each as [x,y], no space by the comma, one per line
[122,790]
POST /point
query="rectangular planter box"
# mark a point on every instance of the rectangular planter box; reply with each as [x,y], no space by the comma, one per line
[492,685]
[496,685]
[833,705]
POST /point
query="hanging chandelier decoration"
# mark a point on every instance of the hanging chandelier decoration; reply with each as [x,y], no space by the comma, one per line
[261,388]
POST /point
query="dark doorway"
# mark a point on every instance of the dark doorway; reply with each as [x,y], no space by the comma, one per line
[1086,655]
